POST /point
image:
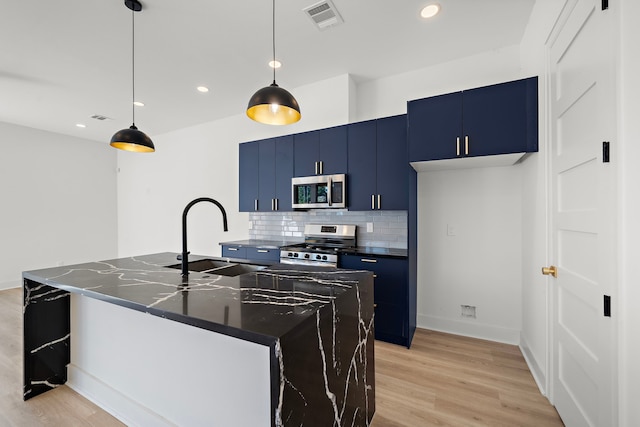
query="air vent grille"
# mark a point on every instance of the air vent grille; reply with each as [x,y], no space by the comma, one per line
[100,117]
[323,14]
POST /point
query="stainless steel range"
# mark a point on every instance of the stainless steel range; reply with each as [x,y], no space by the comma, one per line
[321,245]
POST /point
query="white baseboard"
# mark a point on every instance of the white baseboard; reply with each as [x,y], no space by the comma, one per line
[10,284]
[470,329]
[111,400]
[537,372]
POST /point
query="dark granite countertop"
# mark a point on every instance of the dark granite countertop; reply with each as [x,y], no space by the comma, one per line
[258,307]
[376,251]
[265,244]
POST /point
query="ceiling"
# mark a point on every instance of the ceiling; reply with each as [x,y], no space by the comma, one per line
[63,61]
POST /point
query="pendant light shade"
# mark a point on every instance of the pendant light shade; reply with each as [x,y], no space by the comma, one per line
[272,104]
[132,139]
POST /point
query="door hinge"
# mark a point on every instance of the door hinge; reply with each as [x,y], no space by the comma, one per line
[605,151]
[605,4]
[607,306]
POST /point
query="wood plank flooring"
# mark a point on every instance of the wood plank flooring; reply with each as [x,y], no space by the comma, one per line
[444,380]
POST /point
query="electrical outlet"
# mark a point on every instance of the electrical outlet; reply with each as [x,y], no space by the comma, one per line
[369,227]
[468,311]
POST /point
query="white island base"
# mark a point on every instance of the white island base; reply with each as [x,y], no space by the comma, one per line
[150,371]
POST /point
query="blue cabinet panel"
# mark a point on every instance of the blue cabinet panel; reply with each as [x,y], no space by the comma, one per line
[262,254]
[392,163]
[283,172]
[361,179]
[266,174]
[248,179]
[306,153]
[391,295]
[332,150]
[229,251]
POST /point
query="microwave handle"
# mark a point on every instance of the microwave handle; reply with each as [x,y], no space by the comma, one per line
[329,185]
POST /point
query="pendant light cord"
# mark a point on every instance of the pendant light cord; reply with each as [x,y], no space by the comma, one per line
[133,65]
[273,38]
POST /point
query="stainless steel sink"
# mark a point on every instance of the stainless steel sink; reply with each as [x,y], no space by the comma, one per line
[223,268]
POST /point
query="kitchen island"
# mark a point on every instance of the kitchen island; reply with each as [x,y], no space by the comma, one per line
[278,346]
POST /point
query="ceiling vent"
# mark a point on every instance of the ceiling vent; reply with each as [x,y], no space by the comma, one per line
[323,14]
[100,117]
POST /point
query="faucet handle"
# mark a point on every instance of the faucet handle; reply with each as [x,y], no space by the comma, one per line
[179,257]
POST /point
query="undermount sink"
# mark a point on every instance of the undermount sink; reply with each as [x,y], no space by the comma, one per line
[222,268]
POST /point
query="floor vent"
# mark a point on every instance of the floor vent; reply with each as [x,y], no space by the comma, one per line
[324,14]
[468,311]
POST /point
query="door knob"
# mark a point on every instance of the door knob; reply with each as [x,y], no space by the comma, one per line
[550,271]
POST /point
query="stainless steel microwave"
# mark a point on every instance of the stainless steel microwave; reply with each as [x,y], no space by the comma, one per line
[319,192]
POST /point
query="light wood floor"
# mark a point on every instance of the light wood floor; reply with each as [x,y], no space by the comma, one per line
[444,380]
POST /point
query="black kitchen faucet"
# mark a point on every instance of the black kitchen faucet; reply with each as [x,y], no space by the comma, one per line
[185,252]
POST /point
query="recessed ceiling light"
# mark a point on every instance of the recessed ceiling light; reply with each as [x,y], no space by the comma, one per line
[275,64]
[203,89]
[80,125]
[138,103]
[430,11]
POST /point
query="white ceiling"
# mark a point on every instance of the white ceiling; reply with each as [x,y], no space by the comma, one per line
[62,61]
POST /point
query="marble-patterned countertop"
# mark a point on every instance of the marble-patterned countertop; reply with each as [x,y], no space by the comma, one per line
[258,307]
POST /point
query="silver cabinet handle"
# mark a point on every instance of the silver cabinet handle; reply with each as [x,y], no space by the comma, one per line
[263,251]
[466,145]
[373,201]
[316,168]
[233,249]
[379,202]
[375,275]
[329,185]
[457,146]
[255,205]
[277,203]
[373,261]
[321,167]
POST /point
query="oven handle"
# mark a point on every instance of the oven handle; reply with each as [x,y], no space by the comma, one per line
[329,184]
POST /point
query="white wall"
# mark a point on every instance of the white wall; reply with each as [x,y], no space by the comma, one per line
[629,295]
[480,265]
[202,161]
[58,201]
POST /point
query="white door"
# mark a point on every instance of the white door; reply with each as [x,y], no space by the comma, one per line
[582,102]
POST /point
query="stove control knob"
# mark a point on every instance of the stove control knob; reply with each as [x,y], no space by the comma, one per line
[295,255]
[306,255]
[290,254]
[324,257]
[318,257]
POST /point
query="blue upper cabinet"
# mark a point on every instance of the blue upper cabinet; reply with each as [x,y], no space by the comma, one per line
[266,168]
[490,120]
[378,165]
[321,152]
[248,176]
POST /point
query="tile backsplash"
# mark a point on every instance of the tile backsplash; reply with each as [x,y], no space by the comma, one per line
[389,227]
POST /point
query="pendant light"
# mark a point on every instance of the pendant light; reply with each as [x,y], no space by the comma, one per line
[272,104]
[132,139]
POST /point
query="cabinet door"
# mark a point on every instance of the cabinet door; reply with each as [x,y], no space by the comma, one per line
[284,172]
[333,150]
[392,163]
[234,251]
[248,179]
[266,174]
[306,153]
[434,125]
[361,179]
[263,254]
[498,118]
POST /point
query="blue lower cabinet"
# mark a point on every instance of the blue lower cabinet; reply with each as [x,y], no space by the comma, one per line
[229,251]
[391,295]
[262,254]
